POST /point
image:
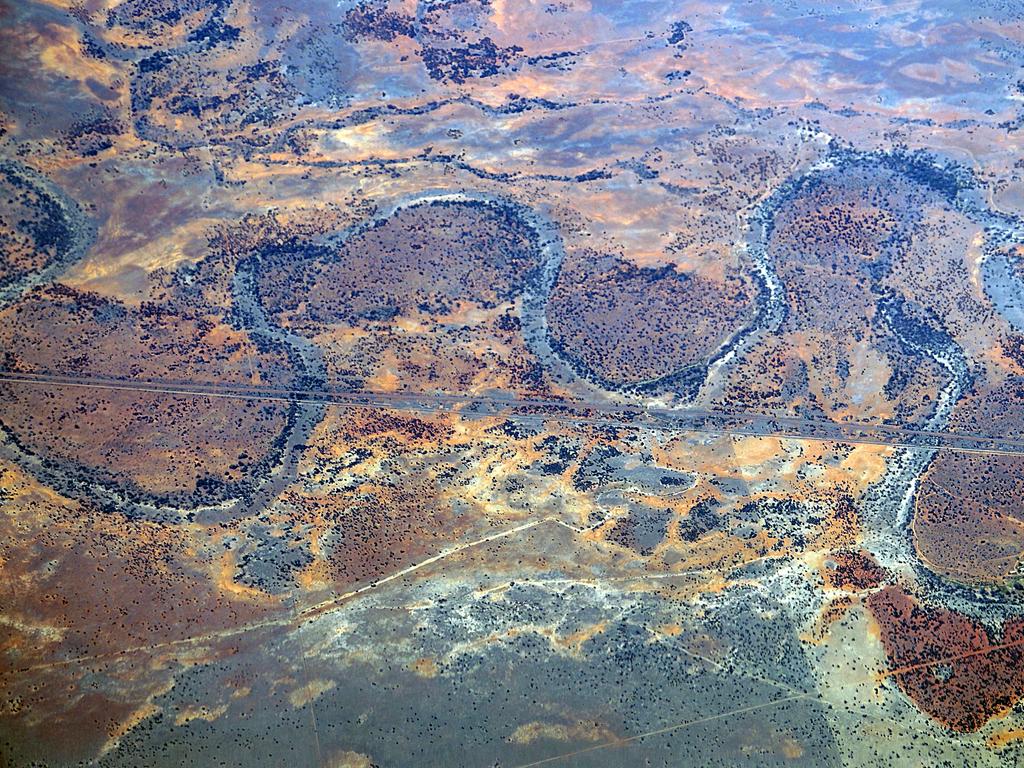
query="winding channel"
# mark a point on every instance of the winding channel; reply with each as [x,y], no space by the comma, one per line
[268,478]
[888,507]
[64,215]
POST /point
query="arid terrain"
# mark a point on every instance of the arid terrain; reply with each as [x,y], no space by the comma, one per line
[511,383]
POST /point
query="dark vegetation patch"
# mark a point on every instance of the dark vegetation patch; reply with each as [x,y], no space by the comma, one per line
[182,100]
[373,20]
[702,518]
[37,229]
[476,59]
[159,17]
[452,51]
[221,85]
[642,530]
[517,430]
[1013,348]
[559,454]
[677,34]
[853,571]
[595,470]
[780,518]
[94,133]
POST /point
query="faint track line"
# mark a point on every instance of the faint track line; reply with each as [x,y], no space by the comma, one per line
[741,423]
[667,729]
[303,614]
[947,659]
[312,703]
[296,614]
[326,604]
